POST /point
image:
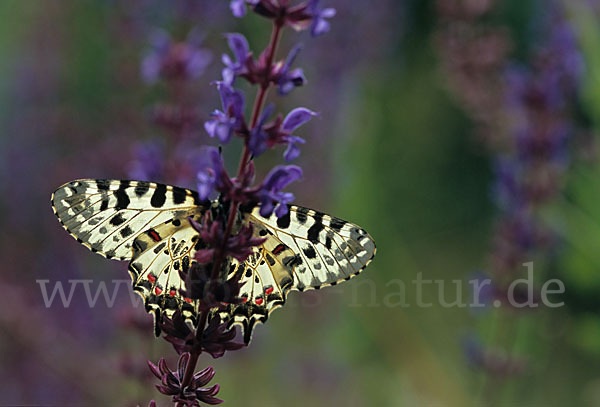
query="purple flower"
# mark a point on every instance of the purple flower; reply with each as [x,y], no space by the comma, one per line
[212,175]
[292,121]
[319,25]
[238,246]
[269,193]
[257,141]
[192,394]
[216,338]
[241,51]
[224,123]
[285,78]
[279,131]
[238,7]
[174,60]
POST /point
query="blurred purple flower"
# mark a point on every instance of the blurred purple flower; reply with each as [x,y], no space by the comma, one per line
[292,121]
[319,24]
[174,60]
[494,361]
[285,78]
[299,17]
[212,174]
[224,123]
[238,7]
[148,161]
[257,140]
[192,394]
[270,195]
[241,52]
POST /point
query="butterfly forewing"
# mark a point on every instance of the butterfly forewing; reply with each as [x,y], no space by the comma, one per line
[107,215]
[327,250]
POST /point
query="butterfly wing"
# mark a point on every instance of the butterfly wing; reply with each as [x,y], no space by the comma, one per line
[327,250]
[146,223]
[107,215]
[306,249]
[159,253]
[143,222]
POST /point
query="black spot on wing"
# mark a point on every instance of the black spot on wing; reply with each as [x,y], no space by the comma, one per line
[316,228]
[126,231]
[104,204]
[270,259]
[121,195]
[310,252]
[159,196]
[158,248]
[284,221]
[141,188]
[301,214]
[196,197]
[328,243]
[139,245]
[337,224]
[103,184]
[178,195]
[117,220]
[292,261]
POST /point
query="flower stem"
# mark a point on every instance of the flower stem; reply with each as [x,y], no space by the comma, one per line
[244,161]
[189,369]
[258,106]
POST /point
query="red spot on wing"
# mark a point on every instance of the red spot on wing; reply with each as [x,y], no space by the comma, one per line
[269,290]
[258,301]
[278,249]
[158,291]
[172,293]
[188,300]
[151,278]
[244,299]
[154,235]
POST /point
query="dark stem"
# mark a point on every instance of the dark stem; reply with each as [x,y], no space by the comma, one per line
[258,105]
[257,109]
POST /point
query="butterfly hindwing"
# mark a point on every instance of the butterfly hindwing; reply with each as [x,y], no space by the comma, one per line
[265,281]
[159,253]
[304,250]
[107,215]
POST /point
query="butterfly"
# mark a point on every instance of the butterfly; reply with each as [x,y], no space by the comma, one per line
[147,224]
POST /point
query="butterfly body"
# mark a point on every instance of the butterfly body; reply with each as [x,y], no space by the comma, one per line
[147,224]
